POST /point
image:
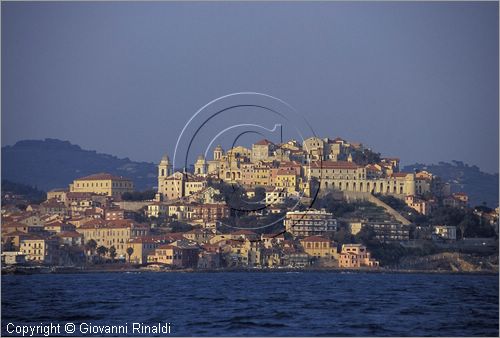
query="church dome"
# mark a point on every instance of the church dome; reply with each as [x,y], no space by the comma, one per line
[165,158]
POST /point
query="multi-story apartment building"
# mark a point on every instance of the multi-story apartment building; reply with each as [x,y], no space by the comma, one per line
[287,180]
[384,231]
[309,223]
[210,212]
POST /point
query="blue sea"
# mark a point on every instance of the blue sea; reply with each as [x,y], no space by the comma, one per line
[259,303]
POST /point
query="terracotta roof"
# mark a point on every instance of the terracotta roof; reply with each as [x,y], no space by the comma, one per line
[334,165]
[400,174]
[103,176]
[15,233]
[286,172]
[94,222]
[315,239]
[69,234]
[55,224]
[59,190]
[263,142]
[14,225]
[292,164]
[168,246]
[273,236]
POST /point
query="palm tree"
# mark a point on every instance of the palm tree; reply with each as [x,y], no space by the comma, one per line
[130,251]
[112,252]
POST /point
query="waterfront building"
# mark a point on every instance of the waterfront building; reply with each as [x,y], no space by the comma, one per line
[38,249]
[113,233]
[175,256]
[319,247]
[356,256]
[144,246]
[13,257]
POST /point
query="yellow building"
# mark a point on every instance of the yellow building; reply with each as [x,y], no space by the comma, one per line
[142,247]
[194,185]
[102,184]
[37,249]
[157,209]
[113,233]
[262,150]
[319,247]
[356,256]
[286,180]
[348,176]
[179,256]
[179,185]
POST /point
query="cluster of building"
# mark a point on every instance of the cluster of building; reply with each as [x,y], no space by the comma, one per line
[89,221]
[59,239]
[289,168]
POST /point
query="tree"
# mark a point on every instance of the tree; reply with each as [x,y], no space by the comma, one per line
[90,246]
[130,251]
[102,250]
[112,252]
[178,226]
[139,195]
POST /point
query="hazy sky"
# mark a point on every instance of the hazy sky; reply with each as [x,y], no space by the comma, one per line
[415,80]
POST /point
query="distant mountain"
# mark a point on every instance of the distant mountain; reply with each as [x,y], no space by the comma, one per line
[480,186]
[54,163]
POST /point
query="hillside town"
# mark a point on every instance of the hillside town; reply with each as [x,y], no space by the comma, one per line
[325,203]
